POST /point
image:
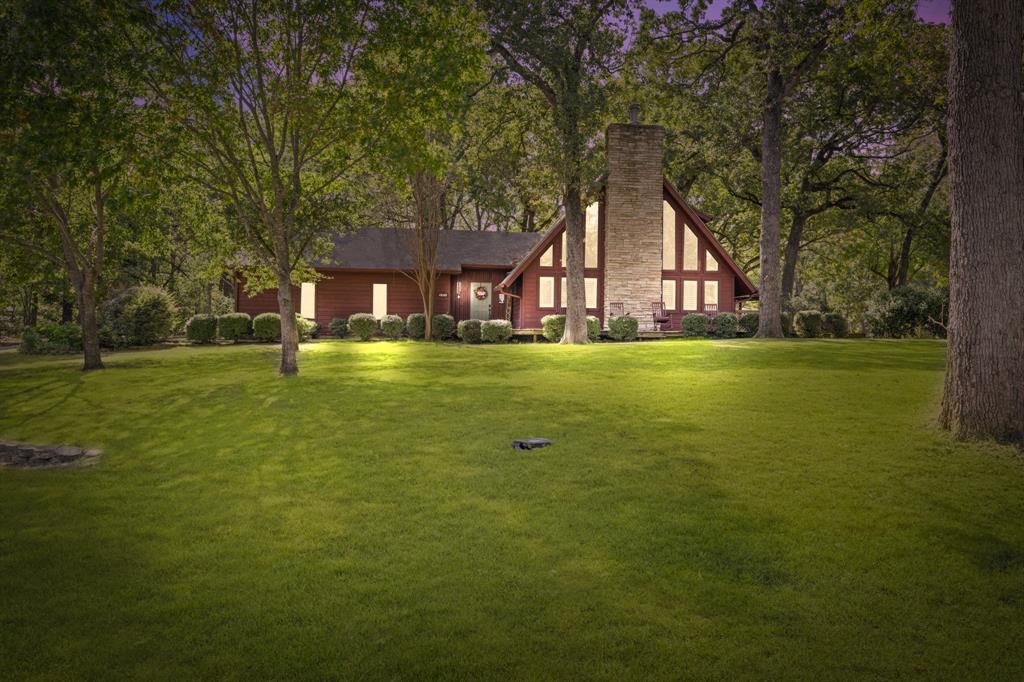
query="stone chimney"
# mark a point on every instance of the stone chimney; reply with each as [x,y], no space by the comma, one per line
[633,214]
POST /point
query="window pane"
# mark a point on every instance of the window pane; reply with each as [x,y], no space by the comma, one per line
[710,263]
[689,249]
[380,300]
[590,285]
[563,294]
[668,293]
[563,248]
[547,259]
[668,236]
[307,307]
[689,294]
[547,292]
[710,292]
[590,241]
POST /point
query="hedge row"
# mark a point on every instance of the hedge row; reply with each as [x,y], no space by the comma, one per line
[234,326]
[364,326]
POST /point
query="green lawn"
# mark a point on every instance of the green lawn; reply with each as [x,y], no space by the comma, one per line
[730,509]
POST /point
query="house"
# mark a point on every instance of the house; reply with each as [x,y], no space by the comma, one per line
[644,245]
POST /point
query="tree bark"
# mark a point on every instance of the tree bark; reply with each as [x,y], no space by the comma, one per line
[576,295]
[289,330]
[796,232]
[90,327]
[984,388]
[770,291]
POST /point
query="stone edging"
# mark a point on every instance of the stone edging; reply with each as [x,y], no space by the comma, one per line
[29,455]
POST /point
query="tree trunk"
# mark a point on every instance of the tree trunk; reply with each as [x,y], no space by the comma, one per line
[208,303]
[576,296]
[770,292]
[289,330]
[984,390]
[90,327]
[796,232]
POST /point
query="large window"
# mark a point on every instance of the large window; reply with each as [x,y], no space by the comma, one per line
[589,292]
[689,249]
[668,293]
[380,300]
[546,292]
[563,248]
[668,236]
[547,259]
[689,294]
[307,306]
[710,293]
[710,262]
[591,240]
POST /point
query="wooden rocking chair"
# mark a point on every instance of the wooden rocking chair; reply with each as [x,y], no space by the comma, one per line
[616,309]
[660,316]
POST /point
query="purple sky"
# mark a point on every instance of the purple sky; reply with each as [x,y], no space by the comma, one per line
[935,11]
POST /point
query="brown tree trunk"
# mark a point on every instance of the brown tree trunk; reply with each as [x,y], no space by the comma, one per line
[576,296]
[770,292]
[984,390]
[90,327]
[289,330]
[796,232]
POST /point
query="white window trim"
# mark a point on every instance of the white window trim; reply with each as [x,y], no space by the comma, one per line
[689,233]
[717,288]
[377,288]
[668,236]
[710,258]
[696,294]
[307,300]
[547,258]
[591,240]
[540,293]
[672,286]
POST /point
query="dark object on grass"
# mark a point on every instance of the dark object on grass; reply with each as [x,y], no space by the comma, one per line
[530,443]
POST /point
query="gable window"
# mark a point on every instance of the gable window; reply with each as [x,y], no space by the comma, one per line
[689,294]
[546,292]
[589,292]
[668,293]
[710,263]
[711,292]
[563,248]
[590,240]
[380,300]
[668,236]
[547,259]
[689,249]
[307,305]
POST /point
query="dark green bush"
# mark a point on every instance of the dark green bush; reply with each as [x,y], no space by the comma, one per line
[442,327]
[362,325]
[909,311]
[140,316]
[339,327]
[234,326]
[416,325]
[787,324]
[308,329]
[623,328]
[392,326]
[267,327]
[835,325]
[201,328]
[469,331]
[593,328]
[554,327]
[807,323]
[694,324]
[51,338]
[726,325]
[495,331]
[748,323]
[32,342]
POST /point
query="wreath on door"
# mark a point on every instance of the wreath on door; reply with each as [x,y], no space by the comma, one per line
[480,293]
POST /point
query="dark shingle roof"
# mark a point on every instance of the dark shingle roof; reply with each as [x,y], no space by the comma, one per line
[374,248]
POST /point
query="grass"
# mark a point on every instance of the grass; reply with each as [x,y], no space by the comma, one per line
[708,510]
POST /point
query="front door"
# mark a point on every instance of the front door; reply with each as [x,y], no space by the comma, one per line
[480,301]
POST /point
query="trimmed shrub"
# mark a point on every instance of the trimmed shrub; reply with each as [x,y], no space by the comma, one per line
[139,316]
[554,327]
[267,327]
[787,324]
[442,327]
[694,324]
[362,325]
[835,325]
[469,331]
[51,338]
[748,323]
[593,328]
[623,328]
[392,326]
[908,311]
[234,326]
[495,331]
[416,325]
[201,328]
[308,329]
[726,325]
[32,342]
[807,323]
[339,327]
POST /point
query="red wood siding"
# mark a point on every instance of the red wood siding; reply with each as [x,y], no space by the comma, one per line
[461,292]
[262,302]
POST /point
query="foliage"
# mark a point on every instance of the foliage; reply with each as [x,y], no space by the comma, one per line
[834,324]
[392,326]
[201,328]
[338,327]
[553,326]
[307,329]
[748,323]
[51,338]
[725,325]
[623,328]
[909,311]
[593,328]
[139,316]
[786,321]
[234,326]
[470,331]
[362,325]
[267,327]
[443,327]
[495,331]
[808,324]
[694,324]
[416,325]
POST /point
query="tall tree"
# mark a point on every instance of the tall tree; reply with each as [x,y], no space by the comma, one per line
[567,50]
[984,391]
